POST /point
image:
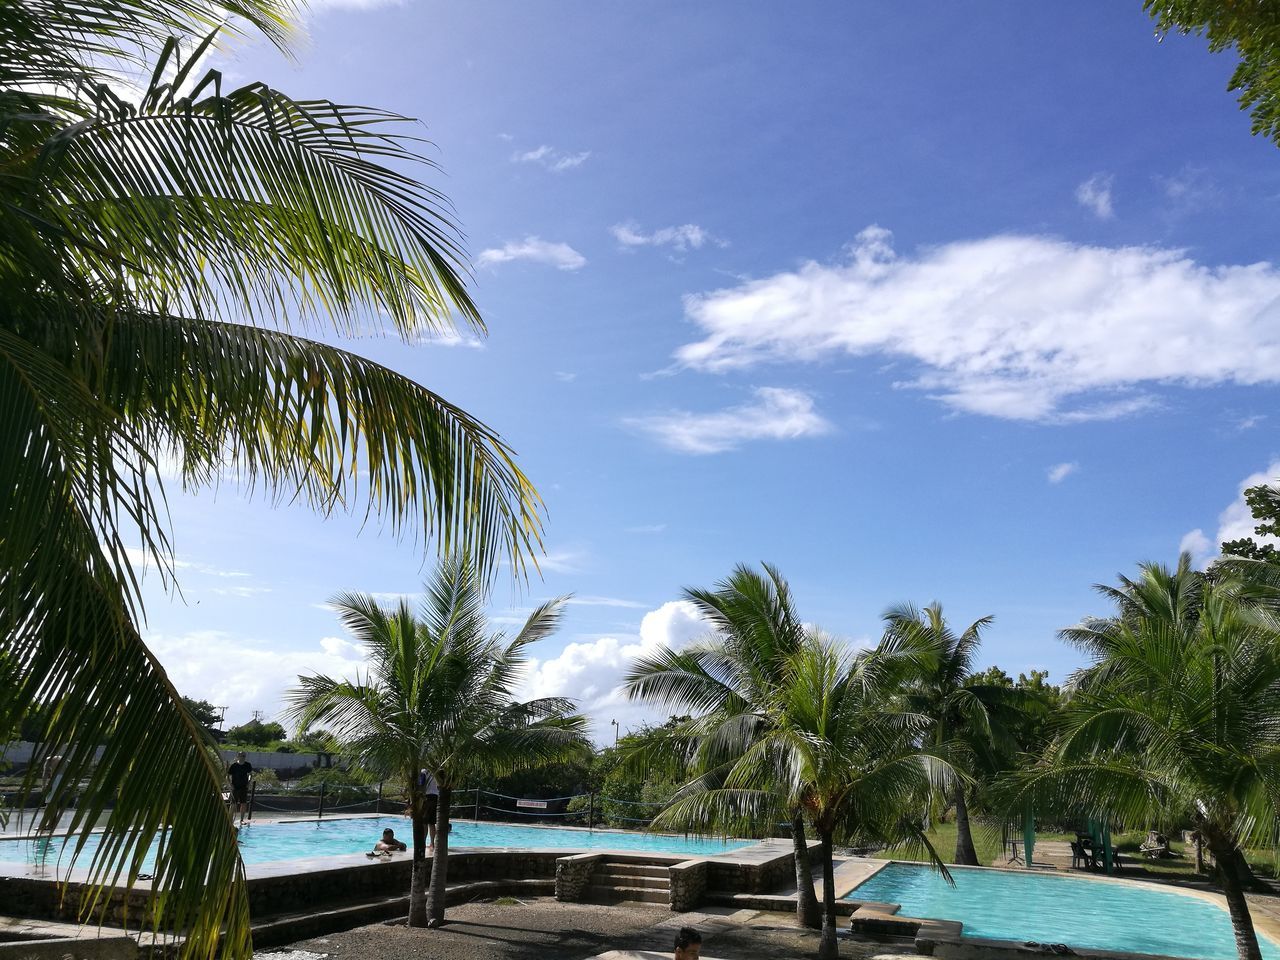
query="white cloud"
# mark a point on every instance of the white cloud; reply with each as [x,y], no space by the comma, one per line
[237,591]
[246,674]
[1234,522]
[1191,188]
[777,413]
[315,6]
[557,161]
[646,528]
[604,602]
[565,376]
[1198,545]
[682,238]
[1020,327]
[1249,422]
[591,672]
[1060,471]
[142,561]
[450,338]
[1095,195]
[558,255]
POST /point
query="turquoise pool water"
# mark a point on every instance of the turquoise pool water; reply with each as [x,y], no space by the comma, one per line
[269,842]
[1077,911]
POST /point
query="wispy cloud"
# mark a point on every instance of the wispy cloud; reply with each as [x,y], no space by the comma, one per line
[1060,471]
[777,413]
[142,560]
[1190,189]
[1020,327]
[316,6]
[557,161]
[688,236]
[1095,196]
[450,338]
[536,250]
[646,528]
[1248,423]
[565,376]
[604,602]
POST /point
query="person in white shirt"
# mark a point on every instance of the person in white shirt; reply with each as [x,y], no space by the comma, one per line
[425,779]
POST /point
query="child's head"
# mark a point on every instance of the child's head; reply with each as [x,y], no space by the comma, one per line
[688,944]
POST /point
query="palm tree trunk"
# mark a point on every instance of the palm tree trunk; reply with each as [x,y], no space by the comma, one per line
[808,912]
[439,861]
[829,948]
[966,855]
[418,884]
[1233,888]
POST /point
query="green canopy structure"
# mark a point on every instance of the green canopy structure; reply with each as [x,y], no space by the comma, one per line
[1028,837]
[1100,834]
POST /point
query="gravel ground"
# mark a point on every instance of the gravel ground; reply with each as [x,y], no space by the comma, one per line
[544,928]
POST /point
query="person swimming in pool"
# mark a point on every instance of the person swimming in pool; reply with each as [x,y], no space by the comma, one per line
[388,844]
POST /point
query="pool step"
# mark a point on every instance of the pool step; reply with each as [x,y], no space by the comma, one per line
[599,893]
[612,879]
[617,868]
[618,881]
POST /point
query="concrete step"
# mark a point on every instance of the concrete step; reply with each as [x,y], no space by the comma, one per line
[601,894]
[622,868]
[630,880]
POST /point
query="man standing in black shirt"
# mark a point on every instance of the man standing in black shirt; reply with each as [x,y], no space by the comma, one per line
[239,773]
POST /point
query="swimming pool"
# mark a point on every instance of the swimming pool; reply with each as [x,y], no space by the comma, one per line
[1048,908]
[270,842]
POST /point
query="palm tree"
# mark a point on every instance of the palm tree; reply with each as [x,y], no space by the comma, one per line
[838,744]
[154,245]
[728,680]
[1176,717]
[966,714]
[438,697]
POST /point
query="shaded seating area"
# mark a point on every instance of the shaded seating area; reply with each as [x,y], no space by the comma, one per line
[1092,849]
[1155,847]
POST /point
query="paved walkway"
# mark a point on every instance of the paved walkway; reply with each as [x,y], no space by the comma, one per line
[541,929]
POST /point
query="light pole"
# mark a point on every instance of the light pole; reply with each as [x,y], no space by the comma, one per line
[615,732]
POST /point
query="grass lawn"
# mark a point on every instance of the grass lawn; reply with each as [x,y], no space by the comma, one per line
[1181,865]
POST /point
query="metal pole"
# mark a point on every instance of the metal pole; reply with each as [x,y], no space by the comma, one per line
[378,809]
[591,811]
[477,814]
[321,814]
[253,795]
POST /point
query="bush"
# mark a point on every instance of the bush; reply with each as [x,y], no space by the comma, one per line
[340,786]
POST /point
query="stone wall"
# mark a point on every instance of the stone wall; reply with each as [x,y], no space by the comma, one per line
[346,884]
[573,875]
[728,876]
[70,948]
[688,884]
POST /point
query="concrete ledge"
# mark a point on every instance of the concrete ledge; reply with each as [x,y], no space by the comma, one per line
[76,948]
[980,948]
[289,929]
[775,903]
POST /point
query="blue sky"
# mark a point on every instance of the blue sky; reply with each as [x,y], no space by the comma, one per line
[916,302]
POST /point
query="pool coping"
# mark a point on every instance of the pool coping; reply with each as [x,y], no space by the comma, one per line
[1264,924]
[298,865]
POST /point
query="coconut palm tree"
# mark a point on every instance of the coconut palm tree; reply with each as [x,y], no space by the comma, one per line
[840,745]
[1176,717]
[727,680]
[159,234]
[438,697]
[967,715]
